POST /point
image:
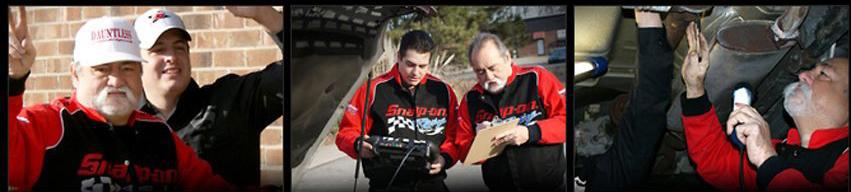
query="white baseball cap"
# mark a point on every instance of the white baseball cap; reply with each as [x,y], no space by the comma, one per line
[104,40]
[151,24]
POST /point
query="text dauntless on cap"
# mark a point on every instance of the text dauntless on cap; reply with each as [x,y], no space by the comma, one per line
[105,40]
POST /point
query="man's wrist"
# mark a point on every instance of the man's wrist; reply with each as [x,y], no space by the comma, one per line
[694,92]
[533,133]
[18,85]
[270,19]
[767,155]
[358,144]
[695,106]
[648,19]
[18,76]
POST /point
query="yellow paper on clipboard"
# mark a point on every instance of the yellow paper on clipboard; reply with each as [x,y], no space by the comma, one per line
[482,145]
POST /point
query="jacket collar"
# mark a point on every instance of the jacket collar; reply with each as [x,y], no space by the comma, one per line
[187,101]
[819,138]
[73,105]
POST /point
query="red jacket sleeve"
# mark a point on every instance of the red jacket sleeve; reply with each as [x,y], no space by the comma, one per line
[464,133]
[554,128]
[31,132]
[836,178]
[448,146]
[351,123]
[716,160]
[195,174]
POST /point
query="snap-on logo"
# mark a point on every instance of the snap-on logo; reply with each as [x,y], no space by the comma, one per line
[395,110]
[94,164]
[507,111]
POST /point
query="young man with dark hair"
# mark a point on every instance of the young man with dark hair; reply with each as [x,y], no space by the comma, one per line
[406,102]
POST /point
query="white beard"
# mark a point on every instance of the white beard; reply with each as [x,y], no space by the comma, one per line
[120,106]
[499,84]
[797,106]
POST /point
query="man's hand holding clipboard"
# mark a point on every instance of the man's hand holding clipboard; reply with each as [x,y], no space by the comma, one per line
[488,144]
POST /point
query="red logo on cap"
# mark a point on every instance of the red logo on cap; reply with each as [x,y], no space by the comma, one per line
[157,16]
[112,34]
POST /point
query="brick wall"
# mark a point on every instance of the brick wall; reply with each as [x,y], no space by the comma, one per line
[551,42]
[221,44]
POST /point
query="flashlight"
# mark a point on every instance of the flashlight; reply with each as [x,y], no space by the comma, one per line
[741,94]
[591,68]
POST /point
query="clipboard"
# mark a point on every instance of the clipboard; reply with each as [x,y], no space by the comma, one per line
[481,148]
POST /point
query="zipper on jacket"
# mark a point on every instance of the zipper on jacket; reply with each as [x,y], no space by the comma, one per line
[413,97]
[484,98]
[127,156]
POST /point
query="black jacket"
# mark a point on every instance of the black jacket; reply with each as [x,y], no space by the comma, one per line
[537,98]
[222,121]
[628,161]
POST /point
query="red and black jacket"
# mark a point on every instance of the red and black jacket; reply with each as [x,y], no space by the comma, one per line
[394,111]
[822,166]
[537,98]
[64,146]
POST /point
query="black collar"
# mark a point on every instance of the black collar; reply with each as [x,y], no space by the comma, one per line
[187,106]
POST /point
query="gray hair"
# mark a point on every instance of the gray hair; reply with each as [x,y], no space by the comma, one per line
[77,68]
[77,65]
[482,38]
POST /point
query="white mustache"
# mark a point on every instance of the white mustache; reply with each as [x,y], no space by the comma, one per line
[115,108]
[499,84]
[797,109]
[105,92]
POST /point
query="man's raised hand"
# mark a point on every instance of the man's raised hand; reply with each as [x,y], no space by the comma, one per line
[21,50]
